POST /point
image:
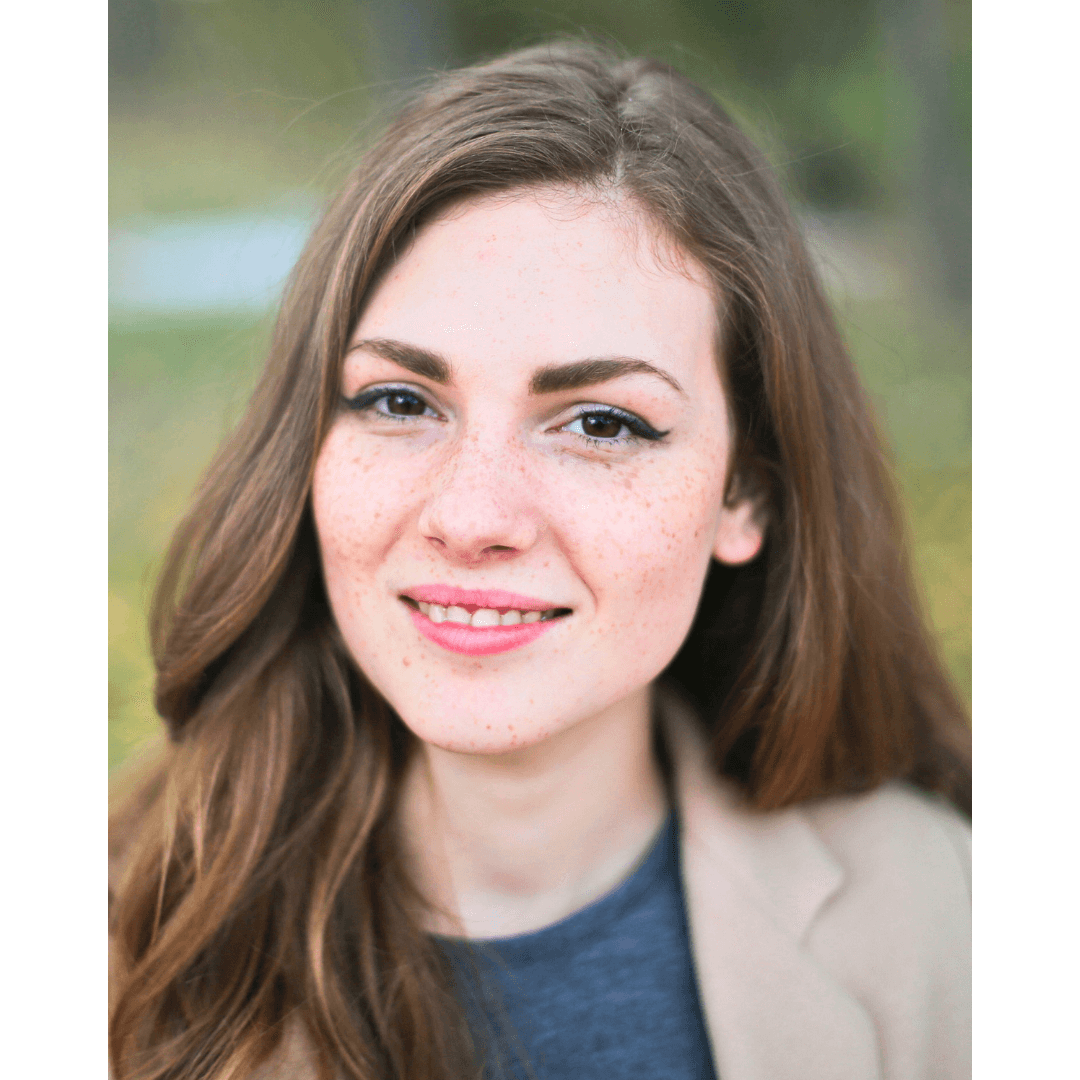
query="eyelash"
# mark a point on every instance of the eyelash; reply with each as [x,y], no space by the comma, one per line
[637,427]
[367,398]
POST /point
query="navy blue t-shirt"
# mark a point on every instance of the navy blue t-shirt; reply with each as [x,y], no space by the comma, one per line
[607,993]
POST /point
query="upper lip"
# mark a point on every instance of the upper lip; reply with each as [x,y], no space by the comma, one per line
[449,596]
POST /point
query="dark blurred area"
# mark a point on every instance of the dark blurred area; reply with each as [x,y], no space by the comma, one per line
[232,120]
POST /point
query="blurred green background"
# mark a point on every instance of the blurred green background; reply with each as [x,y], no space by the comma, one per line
[232,120]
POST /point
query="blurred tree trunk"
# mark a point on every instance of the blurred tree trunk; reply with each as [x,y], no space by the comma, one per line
[938,172]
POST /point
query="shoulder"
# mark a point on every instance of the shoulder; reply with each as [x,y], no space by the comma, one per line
[897,834]
[897,931]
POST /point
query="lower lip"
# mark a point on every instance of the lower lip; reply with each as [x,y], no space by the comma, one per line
[480,640]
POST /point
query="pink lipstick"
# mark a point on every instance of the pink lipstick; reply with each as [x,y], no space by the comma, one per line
[479,622]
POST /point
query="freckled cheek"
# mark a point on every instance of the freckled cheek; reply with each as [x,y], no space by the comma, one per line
[645,550]
[361,501]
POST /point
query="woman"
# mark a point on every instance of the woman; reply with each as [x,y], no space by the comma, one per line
[551,598]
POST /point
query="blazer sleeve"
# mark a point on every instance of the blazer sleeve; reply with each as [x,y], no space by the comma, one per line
[898,934]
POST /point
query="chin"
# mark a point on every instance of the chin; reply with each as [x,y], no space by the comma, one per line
[488,718]
[486,736]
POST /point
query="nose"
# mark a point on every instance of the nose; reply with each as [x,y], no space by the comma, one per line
[480,507]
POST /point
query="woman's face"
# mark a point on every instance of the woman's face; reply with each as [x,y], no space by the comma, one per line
[519,497]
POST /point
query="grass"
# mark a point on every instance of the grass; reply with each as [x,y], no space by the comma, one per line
[177,387]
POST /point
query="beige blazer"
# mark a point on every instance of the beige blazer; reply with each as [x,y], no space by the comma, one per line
[831,941]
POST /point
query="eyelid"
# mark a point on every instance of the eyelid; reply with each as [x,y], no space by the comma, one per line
[367,397]
[639,427]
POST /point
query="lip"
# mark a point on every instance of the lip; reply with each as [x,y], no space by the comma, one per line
[478,640]
[449,596]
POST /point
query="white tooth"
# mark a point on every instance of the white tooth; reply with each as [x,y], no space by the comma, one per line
[485,616]
[457,614]
[424,608]
[511,618]
[436,613]
[530,616]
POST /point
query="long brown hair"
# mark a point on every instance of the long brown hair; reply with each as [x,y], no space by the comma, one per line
[262,883]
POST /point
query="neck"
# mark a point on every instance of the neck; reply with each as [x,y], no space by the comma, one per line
[503,844]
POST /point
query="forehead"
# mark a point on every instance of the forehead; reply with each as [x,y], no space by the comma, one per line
[545,276]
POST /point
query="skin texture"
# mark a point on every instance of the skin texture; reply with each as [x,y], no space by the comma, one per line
[535,770]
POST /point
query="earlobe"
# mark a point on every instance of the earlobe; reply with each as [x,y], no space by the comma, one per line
[740,533]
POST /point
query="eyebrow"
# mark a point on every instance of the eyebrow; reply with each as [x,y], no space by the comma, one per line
[422,362]
[546,380]
[581,373]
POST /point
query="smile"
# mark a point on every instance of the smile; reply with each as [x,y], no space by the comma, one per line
[480,623]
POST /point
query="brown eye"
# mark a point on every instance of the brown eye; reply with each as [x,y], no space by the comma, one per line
[399,403]
[402,404]
[601,426]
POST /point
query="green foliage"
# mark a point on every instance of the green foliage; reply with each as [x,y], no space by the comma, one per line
[290,82]
[175,389]
[915,360]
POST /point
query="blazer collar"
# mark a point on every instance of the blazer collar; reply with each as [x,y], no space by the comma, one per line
[754,885]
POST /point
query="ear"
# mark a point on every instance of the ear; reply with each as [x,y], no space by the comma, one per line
[740,532]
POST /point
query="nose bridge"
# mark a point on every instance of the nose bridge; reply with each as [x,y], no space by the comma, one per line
[480,497]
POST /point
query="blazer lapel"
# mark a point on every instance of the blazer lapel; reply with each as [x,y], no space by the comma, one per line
[754,883]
